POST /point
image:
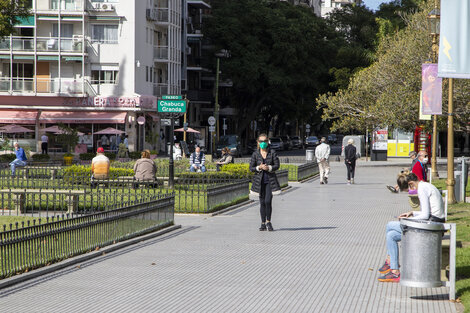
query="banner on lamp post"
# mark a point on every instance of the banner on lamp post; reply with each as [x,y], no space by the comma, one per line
[454,43]
[431,90]
[422,116]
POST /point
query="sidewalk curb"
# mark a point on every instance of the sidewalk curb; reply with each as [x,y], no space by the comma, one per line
[233,207]
[7,282]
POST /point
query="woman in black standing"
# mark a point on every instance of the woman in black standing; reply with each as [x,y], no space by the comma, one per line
[350,160]
[264,162]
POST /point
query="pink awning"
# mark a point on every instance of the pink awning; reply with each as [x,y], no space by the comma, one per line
[18,117]
[83,117]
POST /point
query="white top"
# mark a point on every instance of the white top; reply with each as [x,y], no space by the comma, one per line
[104,140]
[430,201]
[44,138]
[322,152]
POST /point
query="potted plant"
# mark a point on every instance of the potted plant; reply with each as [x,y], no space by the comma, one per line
[69,138]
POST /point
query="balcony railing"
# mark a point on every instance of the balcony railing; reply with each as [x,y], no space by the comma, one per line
[44,85]
[160,53]
[63,5]
[160,89]
[43,44]
[162,15]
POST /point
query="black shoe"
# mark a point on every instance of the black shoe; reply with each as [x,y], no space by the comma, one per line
[269,226]
[392,189]
[263,227]
[325,180]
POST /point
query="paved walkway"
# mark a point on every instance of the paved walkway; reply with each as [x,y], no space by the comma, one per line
[323,257]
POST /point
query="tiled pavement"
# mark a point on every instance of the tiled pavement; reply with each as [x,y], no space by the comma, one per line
[323,257]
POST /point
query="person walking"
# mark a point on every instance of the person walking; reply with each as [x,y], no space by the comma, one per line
[264,163]
[350,160]
[322,153]
[20,159]
[44,143]
[432,209]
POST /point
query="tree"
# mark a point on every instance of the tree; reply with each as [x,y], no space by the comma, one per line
[280,56]
[10,13]
[387,92]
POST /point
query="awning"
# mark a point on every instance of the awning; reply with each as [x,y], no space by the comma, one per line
[154,117]
[83,117]
[18,117]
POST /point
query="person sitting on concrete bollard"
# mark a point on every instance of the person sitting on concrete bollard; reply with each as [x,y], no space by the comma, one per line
[322,154]
[197,161]
[99,166]
[420,168]
[432,209]
[20,159]
[414,159]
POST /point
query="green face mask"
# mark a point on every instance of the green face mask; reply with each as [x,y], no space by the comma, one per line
[263,145]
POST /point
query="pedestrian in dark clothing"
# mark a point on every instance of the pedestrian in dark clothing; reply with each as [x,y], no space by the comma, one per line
[350,160]
[264,162]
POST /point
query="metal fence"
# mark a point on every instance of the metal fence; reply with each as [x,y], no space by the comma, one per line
[31,246]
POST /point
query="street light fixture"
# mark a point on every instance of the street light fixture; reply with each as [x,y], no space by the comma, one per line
[434,28]
[220,54]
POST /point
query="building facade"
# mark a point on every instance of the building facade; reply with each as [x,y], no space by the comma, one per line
[327,6]
[92,64]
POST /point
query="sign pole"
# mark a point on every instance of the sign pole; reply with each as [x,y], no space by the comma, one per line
[171,177]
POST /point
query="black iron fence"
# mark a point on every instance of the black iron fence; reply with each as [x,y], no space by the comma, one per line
[36,244]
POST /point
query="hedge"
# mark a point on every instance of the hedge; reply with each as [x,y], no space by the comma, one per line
[41,157]
[85,170]
[7,157]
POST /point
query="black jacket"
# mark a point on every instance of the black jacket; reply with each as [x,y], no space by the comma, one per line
[350,154]
[273,161]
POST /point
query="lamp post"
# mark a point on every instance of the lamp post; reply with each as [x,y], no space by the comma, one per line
[434,25]
[221,54]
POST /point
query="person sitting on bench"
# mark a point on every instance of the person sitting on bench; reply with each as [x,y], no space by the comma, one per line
[225,159]
[99,166]
[145,169]
[20,159]
[197,161]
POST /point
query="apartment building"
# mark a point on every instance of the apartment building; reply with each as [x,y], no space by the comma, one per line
[327,6]
[92,64]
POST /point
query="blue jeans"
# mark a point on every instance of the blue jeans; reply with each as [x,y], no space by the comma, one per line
[16,163]
[193,169]
[393,236]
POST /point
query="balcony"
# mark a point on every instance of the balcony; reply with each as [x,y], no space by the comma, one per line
[160,89]
[65,6]
[200,95]
[63,86]
[43,44]
[200,4]
[160,54]
[162,16]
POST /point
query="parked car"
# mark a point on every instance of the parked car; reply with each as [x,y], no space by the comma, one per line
[311,142]
[251,146]
[287,142]
[232,142]
[276,143]
[296,142]
[332,139]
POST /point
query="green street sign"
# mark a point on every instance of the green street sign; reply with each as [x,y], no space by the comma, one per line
[172,97]
[172,106]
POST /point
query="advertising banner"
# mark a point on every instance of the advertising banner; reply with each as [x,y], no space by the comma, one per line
[431,90]
[380,139]
[454,43]
[422,117]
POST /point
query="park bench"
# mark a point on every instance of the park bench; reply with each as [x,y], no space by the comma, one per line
[53,169]
[19,197]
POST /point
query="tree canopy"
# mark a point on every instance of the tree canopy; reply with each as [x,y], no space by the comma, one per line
[10,13]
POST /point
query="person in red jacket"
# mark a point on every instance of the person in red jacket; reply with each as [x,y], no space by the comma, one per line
[420,168]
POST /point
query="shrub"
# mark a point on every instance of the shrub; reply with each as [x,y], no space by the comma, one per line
[240,170]
[41,157]
[86,156]
[134,155]
[7,157]
[111,156]
[85,170]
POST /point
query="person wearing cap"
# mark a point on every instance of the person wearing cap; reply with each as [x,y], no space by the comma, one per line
[20,159]
[197,160]
[100,165]
[350,160]
[322,153]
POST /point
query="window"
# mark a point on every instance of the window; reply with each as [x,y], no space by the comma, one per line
[146,73]
[105,34]
[104,77]
[66,30]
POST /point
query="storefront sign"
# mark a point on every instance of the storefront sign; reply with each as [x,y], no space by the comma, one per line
[111,102]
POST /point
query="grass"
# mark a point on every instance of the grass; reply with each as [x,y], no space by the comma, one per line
[460,214]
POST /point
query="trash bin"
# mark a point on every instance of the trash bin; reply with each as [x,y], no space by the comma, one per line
[309,155]
[421,244]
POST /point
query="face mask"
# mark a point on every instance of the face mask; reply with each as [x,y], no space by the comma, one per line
[263,145]
[425,160]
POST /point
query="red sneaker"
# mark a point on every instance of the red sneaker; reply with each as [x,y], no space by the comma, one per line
[390,277]
[385,268]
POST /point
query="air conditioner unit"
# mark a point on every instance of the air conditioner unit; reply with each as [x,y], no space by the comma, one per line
[107,7]
[77,38]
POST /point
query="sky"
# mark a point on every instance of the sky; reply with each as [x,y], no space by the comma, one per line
[373,4]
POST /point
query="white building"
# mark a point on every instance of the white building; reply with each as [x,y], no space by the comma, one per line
[327,6]
[94,64]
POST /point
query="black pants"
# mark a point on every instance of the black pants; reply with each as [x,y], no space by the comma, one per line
[43,147]
[265,201]
[351,167]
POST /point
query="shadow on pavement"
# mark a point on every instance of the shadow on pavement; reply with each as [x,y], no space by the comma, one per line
[304,228]
[440,297]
